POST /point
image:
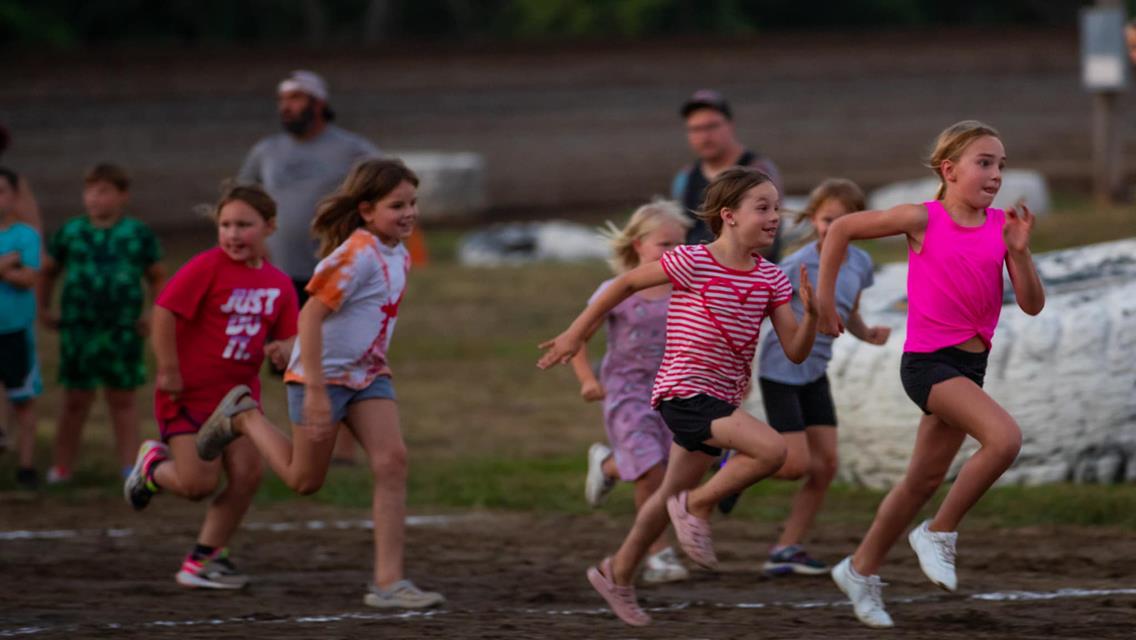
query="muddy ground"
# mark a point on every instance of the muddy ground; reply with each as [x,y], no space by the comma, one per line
[106,572]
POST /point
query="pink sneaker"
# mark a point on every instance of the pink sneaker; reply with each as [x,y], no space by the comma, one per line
[621,599]
[693,533]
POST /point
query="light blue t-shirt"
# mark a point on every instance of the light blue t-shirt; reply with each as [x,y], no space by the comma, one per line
[17,305]
[855,275]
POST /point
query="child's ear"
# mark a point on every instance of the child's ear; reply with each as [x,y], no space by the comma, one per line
[727,215]
[271,226]
[947,169]
[366,208]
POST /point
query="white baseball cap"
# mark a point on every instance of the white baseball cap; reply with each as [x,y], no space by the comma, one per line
[308,82]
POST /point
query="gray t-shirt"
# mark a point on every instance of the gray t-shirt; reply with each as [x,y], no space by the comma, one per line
[298,174]
[855,275]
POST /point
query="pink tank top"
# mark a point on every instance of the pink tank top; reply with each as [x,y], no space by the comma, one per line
[954,285]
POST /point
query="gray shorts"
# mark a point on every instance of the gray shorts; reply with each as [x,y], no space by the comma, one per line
[340,396]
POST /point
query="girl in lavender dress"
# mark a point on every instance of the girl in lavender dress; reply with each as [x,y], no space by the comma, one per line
[636,334]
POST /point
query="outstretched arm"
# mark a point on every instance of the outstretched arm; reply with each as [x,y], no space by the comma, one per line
[561,348]
[797,338]
[907,219]
[1023,273]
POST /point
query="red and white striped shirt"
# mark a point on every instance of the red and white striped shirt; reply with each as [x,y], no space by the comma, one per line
[713,323]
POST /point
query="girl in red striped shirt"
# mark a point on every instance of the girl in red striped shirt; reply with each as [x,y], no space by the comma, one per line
[721,293]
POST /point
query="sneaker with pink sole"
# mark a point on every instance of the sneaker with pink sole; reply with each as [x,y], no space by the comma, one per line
[620,598]
[693,533]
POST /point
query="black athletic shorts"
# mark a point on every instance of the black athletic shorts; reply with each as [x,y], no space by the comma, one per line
[792,407]
[17,361]
[921,371]
[689,420]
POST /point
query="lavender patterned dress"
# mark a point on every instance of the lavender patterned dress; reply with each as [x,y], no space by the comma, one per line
[636,336]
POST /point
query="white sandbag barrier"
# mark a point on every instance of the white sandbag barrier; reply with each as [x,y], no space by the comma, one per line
[452,185]
[1017,184]
[523,242]
[1068,376]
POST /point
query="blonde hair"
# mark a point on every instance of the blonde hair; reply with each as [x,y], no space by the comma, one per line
[646,219]
[337,215]
[952,142]
[726,192]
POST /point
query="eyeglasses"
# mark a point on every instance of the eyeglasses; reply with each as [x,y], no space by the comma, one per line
[704,128]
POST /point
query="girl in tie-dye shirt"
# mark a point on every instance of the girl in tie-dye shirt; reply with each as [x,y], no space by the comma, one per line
[338,370]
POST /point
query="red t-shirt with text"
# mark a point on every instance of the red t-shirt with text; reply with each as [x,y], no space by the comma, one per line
[226,312]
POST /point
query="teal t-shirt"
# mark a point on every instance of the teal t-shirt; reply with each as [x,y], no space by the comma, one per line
[104,267]
[18,305]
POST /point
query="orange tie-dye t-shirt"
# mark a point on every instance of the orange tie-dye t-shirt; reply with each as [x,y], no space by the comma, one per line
[362,282]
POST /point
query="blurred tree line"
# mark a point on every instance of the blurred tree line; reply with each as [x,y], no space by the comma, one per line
[78,23]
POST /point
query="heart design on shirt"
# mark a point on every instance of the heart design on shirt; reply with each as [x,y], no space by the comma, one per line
[724,288]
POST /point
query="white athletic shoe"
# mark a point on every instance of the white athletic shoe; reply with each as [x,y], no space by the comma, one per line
[596,484]
[664,566]
[402,595]
[866,594]
[936,552]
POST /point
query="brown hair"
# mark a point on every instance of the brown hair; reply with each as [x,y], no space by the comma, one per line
[952,142]
[253,195]
[646,219]
[337,215]
[726,192]
[846,192]
[106,172]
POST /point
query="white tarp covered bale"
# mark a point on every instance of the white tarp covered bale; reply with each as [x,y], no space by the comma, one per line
[1068,376]
[1016,185]
[452,185]
[521,242]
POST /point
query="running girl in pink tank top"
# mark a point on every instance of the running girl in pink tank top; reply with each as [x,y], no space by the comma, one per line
[957,246]
[720,294]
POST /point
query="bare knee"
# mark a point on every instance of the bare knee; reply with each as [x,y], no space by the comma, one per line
[1006,445]
[389,465]
[794,467]
[246,478]
[120,400]
[923,485]
[198,488]
[306,486]
[822,469]
[773,456]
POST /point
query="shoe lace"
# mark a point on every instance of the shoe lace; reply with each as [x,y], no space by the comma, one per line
[945,549]
[875,591]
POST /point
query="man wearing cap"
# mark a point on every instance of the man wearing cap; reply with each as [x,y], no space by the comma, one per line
[298,168]
[711,135]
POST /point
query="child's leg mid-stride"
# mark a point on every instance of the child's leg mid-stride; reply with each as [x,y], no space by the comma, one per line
[819,464]
[760,452]
[301,462]
[375,423]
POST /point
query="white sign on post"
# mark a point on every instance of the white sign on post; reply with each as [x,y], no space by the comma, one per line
[1104,56]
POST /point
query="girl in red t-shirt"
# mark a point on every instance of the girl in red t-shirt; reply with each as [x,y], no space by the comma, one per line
[214,323]
[721,293]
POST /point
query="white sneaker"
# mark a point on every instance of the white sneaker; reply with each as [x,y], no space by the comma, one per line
[664,566]
[936,553]
[56,477]
[596,484]
[866,594]
[402,595]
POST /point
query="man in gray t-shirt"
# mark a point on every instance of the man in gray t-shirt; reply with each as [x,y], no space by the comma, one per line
[301,166]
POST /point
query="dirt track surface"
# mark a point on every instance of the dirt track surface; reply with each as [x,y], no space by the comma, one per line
[521,576]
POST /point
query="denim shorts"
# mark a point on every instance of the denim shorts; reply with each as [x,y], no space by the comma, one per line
[340,396]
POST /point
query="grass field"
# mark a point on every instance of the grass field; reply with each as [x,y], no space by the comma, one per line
[486,429]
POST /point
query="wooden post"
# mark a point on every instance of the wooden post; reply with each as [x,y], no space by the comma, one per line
[1107,176]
